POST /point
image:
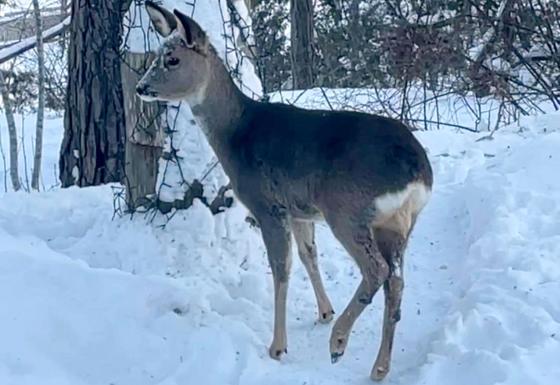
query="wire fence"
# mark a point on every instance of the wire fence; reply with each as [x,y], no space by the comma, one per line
[172,118]
[415,101]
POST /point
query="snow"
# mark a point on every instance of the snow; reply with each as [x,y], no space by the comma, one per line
[87,299]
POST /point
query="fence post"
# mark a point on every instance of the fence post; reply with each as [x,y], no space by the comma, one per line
[144,134]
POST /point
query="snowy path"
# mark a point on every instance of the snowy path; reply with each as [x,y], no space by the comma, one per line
[87,300]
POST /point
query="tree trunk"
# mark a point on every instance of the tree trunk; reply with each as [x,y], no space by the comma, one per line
[355,30]
[92,149]
[41,99]
[250,4]
[144,133]
[302,43]
[14,174]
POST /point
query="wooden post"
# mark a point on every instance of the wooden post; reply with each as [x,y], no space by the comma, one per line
[144,134]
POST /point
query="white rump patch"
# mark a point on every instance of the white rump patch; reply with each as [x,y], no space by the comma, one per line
[416,194]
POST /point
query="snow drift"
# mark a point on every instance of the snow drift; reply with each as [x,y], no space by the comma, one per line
[90,300]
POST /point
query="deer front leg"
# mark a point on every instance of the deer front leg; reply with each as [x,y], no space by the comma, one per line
[277,239]
[304,234]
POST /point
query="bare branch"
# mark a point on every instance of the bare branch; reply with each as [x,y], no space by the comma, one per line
[25,45]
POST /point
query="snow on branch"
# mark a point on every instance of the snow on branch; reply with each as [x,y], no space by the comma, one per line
[479,53]
[25,45]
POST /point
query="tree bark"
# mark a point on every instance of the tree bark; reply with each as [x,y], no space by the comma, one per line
[302,43]
[92,149]
[14,174]
[41,99]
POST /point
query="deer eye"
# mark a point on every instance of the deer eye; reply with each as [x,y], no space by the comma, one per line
[172,61]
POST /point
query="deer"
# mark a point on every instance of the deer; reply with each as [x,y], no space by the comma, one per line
[365,175]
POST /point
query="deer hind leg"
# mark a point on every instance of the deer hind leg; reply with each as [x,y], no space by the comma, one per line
[277,239]
[392,234]
[392,245]
[304,234]
[358,240]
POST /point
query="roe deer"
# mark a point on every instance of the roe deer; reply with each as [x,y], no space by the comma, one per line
[367,176]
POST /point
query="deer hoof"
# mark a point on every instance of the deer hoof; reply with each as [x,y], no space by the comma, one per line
[336,356]
[379,373]
[277,352]
[338,345]
[326,317]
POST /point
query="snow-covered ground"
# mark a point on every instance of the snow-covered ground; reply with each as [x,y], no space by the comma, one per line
[90,300]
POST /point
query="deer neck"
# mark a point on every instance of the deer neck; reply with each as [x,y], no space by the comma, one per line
[219,106]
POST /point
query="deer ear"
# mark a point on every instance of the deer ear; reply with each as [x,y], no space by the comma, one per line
[164,21]
[191,32]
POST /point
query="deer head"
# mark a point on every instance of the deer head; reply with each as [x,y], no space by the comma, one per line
[181,68]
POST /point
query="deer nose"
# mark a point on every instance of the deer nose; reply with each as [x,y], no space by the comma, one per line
[142,88]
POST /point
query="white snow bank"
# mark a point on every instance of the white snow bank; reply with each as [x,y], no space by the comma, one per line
[504,324]
[86,300]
